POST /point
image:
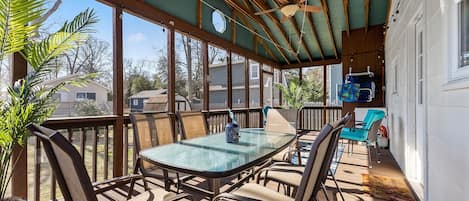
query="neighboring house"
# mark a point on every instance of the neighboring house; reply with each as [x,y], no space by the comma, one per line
[155,100]
[218,84]
[69,97]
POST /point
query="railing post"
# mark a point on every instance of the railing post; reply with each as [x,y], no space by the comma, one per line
[19,181]
[246,92]
[118,93]
[324,95]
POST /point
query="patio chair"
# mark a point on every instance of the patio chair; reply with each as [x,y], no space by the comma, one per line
[73,179]
[192,124]
[151,130]
[290,174]
[310,183]
[369,129]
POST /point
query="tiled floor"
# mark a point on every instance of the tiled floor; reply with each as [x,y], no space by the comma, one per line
[349,176]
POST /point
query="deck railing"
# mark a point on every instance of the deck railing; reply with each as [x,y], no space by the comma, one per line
[93,137]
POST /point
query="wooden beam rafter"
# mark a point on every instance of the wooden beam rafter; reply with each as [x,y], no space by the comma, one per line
[313,63]
[278,24]
[245,22]
[328,21]
[264,27]
[199,14]
[367,12]
[347,24]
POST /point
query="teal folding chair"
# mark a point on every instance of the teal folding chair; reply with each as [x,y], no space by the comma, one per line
[366,133]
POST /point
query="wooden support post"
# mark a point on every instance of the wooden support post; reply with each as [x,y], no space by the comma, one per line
[247,91]
[229,79]
[19,180]
[171,71]
[118,94]
[280,102]
[324,94]
[261,92]
[206,78]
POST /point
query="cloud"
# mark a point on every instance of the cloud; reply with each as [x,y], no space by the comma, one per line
[137,37]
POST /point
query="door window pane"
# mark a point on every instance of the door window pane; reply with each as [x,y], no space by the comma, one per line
[276,91]
[218,78]
[238,64]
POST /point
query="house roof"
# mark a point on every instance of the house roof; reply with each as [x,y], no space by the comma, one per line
[149,93]
[163,99]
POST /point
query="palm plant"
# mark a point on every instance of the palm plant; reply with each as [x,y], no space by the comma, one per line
[292,93]
[28,100]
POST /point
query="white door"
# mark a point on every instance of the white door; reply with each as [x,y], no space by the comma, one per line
[268,88]
[420,115]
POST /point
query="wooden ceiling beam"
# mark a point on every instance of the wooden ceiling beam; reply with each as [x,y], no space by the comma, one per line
[313,63]
[347,24]
[245,22]
[264,27]
[158,16]
[328,21]
[199,13]
[367,12]
[263,6]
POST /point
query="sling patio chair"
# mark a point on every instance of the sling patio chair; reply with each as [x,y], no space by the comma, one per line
[290,174]
[310,183]
[73,179]
[151,130]
[366,133]
[192,124]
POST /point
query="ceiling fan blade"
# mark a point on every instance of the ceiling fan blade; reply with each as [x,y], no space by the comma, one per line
[284,18]
[266,11]
[283,2]
[313,9]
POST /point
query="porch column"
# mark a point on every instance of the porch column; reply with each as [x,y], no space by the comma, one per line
[118,93]
[324,94]
[206,78]
[19,180]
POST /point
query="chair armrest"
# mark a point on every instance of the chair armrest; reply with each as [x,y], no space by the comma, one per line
[229,196]
[181,196]
[114,182]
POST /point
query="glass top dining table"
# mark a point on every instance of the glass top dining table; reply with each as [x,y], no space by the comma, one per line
[212,157]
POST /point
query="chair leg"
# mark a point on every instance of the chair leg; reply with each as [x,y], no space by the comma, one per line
[325,191]
[337,185]
[377,153]
[369,157]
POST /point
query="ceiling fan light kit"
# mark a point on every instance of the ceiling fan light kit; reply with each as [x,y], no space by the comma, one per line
[290,10]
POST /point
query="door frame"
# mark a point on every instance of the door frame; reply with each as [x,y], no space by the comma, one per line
[412,90]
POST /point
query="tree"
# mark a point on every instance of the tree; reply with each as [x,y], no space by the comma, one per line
[87,108]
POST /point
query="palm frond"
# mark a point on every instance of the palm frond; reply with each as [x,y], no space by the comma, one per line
[15,23]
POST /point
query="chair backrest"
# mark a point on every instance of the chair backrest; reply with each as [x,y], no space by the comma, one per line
[150,130]
[71,174]
[192,124]
[373,132]
[311,176]
[280,120]
[375,115]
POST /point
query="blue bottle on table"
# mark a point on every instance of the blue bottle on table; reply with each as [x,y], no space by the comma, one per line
[232,130]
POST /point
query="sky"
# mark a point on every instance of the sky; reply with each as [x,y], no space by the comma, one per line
[142,39]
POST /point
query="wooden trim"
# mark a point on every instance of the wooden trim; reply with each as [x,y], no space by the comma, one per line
[329,27]
[118,92]
[247,91]
[367,14]
[206,78]
[158,16]
[257,19]
[229,79]
[199,14]
[347,24]
[171,70]
[314,63]
[300,74]
[292,20]
[324,94]
[280,74]
[388,15]
[315,34]
[19,180]
[233,27]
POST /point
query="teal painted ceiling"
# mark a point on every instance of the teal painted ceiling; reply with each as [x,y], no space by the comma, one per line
[279,41]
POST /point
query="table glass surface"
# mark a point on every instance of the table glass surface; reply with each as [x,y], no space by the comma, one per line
[213,154]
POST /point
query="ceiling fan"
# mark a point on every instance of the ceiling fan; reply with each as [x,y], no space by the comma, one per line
[290,7]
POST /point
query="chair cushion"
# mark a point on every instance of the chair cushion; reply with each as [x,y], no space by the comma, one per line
[259,192]
[156,194]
